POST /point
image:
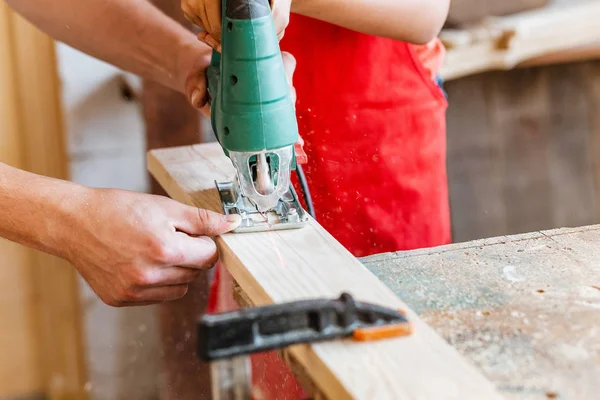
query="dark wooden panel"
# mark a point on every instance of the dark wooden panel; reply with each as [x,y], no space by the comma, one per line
[521,150]
[520,115]
[592,87]
[571,169]
[475,188]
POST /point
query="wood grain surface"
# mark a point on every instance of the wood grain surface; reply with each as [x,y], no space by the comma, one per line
[525,309]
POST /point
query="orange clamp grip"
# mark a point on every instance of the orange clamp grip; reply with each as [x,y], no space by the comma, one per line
[383,332]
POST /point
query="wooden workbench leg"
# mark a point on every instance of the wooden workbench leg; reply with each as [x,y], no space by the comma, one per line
[171,121]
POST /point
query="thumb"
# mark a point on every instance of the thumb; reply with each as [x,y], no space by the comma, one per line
[289,64]
[195,85]
[200,222]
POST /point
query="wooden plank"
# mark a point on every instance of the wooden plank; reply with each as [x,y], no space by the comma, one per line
[577,54]
[20,372]
[54,281]
[524,309]
[503,43]
[274,267]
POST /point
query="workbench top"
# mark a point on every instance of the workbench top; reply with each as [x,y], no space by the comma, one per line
[525,309]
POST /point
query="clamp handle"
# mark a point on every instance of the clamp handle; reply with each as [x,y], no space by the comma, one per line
[258,329]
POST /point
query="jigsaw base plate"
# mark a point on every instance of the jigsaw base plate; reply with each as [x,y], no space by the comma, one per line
[287,214]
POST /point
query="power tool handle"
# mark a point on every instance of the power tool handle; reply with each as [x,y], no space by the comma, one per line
[246,9]
[233,10]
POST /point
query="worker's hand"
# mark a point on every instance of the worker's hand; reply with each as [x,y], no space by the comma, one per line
[207,15]
[137,249]
[192,70]
[195,84]
[289,64]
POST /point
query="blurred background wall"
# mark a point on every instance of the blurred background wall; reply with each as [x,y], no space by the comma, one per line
[106,148]
[524,150]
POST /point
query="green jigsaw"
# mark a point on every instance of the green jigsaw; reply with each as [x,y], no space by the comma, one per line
[254,119]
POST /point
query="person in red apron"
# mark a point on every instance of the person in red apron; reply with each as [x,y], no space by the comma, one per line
[373,121]
[370,113]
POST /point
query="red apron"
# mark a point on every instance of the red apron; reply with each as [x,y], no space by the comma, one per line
[373,122]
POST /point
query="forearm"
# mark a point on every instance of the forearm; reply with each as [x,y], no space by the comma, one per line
[415,21]
[34,210]
[131,34]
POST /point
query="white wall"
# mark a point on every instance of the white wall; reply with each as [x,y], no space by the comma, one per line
[107,149]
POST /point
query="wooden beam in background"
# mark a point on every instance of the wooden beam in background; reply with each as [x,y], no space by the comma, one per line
[577,54]
[35,112]
[280,266]
[563,27]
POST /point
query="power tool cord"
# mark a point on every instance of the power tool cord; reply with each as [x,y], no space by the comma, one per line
[305,191]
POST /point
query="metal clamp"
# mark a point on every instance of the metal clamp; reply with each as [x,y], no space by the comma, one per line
[258,329]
